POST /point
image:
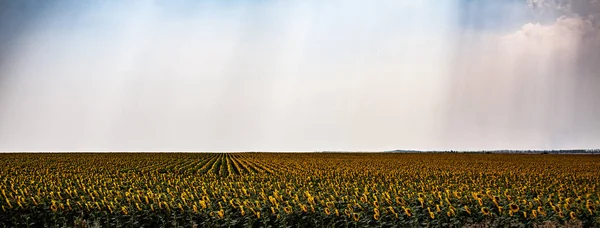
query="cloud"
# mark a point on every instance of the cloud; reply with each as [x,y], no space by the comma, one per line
[577,28]
[570,8]
[536,87]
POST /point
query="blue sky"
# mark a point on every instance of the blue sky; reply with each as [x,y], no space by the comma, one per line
[295,76]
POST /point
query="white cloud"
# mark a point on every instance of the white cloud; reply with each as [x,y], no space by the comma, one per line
[533,88]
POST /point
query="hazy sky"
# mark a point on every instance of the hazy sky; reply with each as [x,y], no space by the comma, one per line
[262,75]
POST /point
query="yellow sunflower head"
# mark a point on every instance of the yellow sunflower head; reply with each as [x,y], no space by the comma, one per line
[485,210]
[356,217]
[514,207]
[573,215]
[288,210]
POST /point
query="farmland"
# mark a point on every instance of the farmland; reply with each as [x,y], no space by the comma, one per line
[298,189]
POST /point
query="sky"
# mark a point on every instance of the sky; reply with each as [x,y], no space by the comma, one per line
[267,75]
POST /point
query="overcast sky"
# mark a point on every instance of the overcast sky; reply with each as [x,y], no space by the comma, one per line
[262,75]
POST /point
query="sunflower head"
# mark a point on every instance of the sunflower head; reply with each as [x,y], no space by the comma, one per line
[467,209]
[573,215]
[356,217]
[304,208]
[514,207]
[287,210]
[391,209]
[485,210]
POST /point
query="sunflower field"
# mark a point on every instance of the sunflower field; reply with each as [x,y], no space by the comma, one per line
[298,190]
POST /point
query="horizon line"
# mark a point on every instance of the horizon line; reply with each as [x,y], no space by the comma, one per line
[316,151]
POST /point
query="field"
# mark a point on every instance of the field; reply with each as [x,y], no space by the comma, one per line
[306,190]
